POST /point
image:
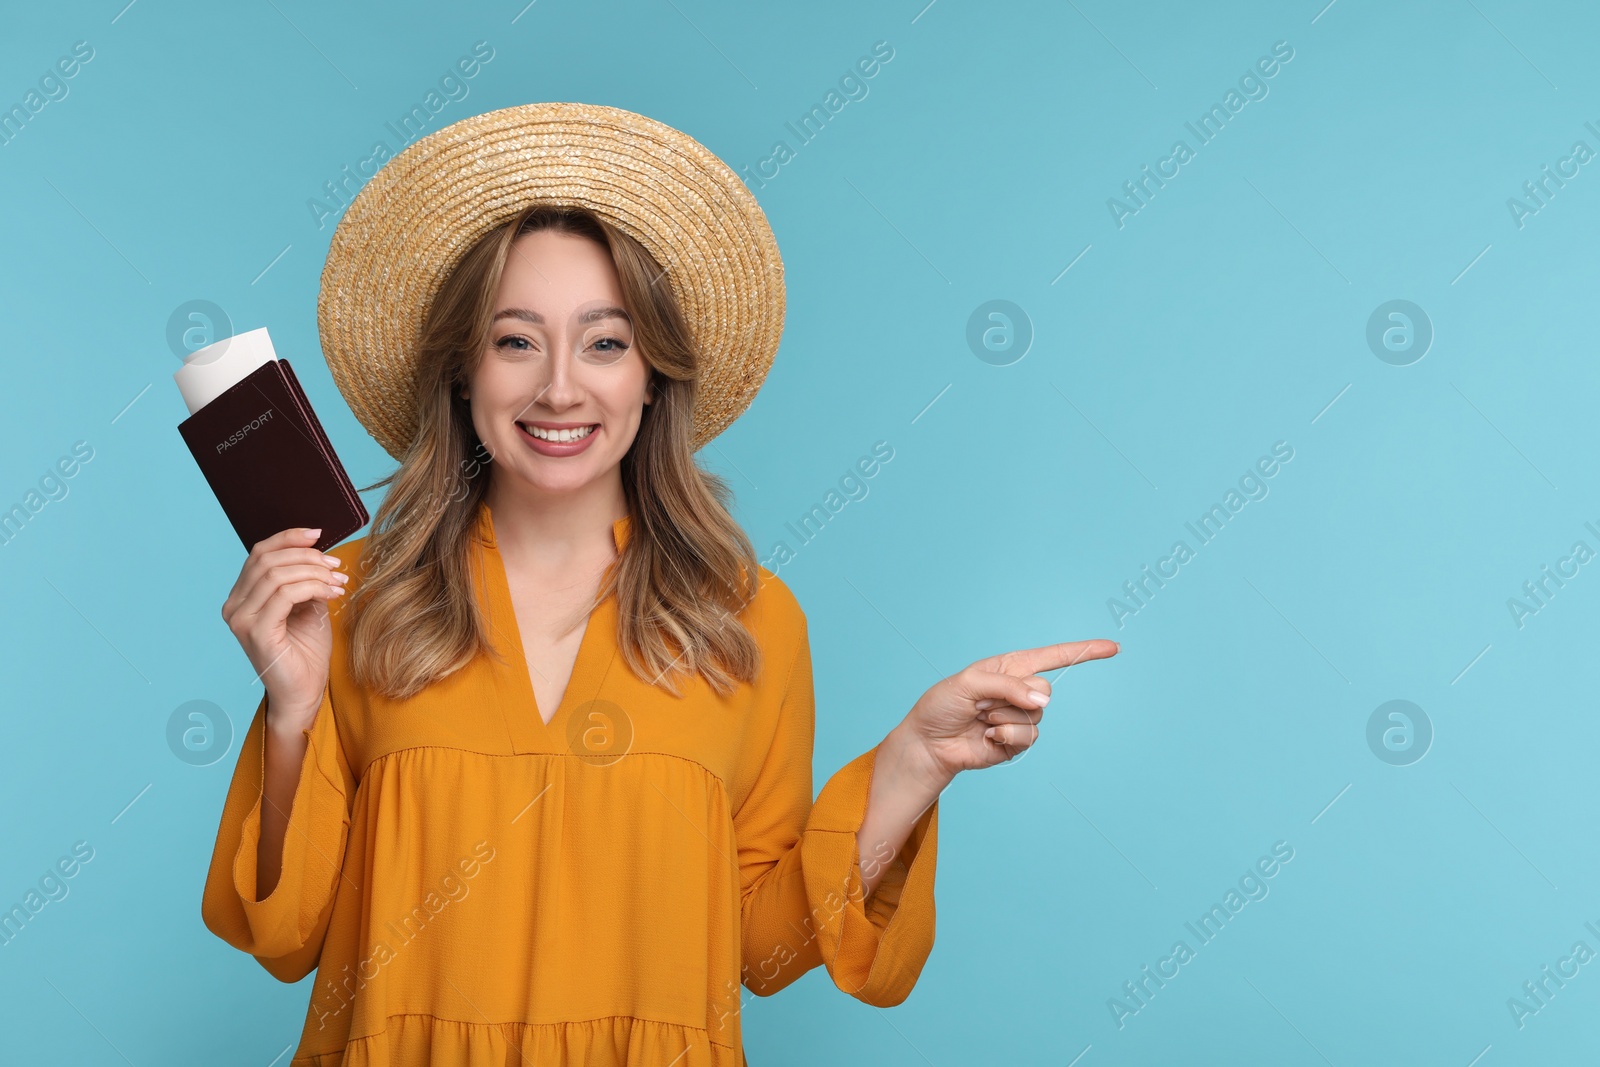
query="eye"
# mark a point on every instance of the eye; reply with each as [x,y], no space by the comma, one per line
[608,349]
[513,342]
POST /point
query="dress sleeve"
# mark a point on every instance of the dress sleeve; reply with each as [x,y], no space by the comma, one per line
[799,868]
[286,930]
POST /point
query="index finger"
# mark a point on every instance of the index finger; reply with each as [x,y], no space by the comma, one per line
[293,536]
[1027,661]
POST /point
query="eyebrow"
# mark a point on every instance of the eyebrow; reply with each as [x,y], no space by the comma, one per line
[593,315]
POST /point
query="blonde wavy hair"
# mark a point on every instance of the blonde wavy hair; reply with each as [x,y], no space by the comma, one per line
[687,567]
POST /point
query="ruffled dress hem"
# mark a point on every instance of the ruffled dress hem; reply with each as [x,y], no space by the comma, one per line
[613,1041]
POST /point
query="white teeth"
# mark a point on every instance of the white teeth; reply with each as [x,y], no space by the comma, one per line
[558,435]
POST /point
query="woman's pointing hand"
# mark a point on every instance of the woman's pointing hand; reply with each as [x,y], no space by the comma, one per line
[990,711]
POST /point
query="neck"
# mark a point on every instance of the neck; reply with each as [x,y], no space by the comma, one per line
[556,530]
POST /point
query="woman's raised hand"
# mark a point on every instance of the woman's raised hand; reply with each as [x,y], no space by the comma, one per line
[990,711]
[278,610]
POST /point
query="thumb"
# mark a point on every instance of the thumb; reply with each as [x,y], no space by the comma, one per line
[988,688]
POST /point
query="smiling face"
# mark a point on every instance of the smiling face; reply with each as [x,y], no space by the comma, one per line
[560,389]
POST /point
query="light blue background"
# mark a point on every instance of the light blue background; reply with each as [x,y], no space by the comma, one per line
[1228,314]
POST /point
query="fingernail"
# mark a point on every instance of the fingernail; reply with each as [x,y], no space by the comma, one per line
[332,561]
[340,577]
[314,534]
[1039,699]
[985,705]
[993,734]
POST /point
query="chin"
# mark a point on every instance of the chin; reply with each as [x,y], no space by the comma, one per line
[540,472]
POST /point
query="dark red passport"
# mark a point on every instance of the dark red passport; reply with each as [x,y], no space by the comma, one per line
[268,461]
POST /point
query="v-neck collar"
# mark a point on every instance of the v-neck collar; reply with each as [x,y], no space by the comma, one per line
[524,724]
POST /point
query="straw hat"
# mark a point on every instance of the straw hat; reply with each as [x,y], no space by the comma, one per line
[415,219]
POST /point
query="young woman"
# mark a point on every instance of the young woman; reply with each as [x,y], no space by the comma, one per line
[532,778]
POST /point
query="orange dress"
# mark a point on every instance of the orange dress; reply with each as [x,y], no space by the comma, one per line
[474,886]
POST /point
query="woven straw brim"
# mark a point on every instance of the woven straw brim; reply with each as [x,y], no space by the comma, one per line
[416,218]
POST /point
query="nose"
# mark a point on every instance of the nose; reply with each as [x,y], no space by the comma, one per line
[560,390]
